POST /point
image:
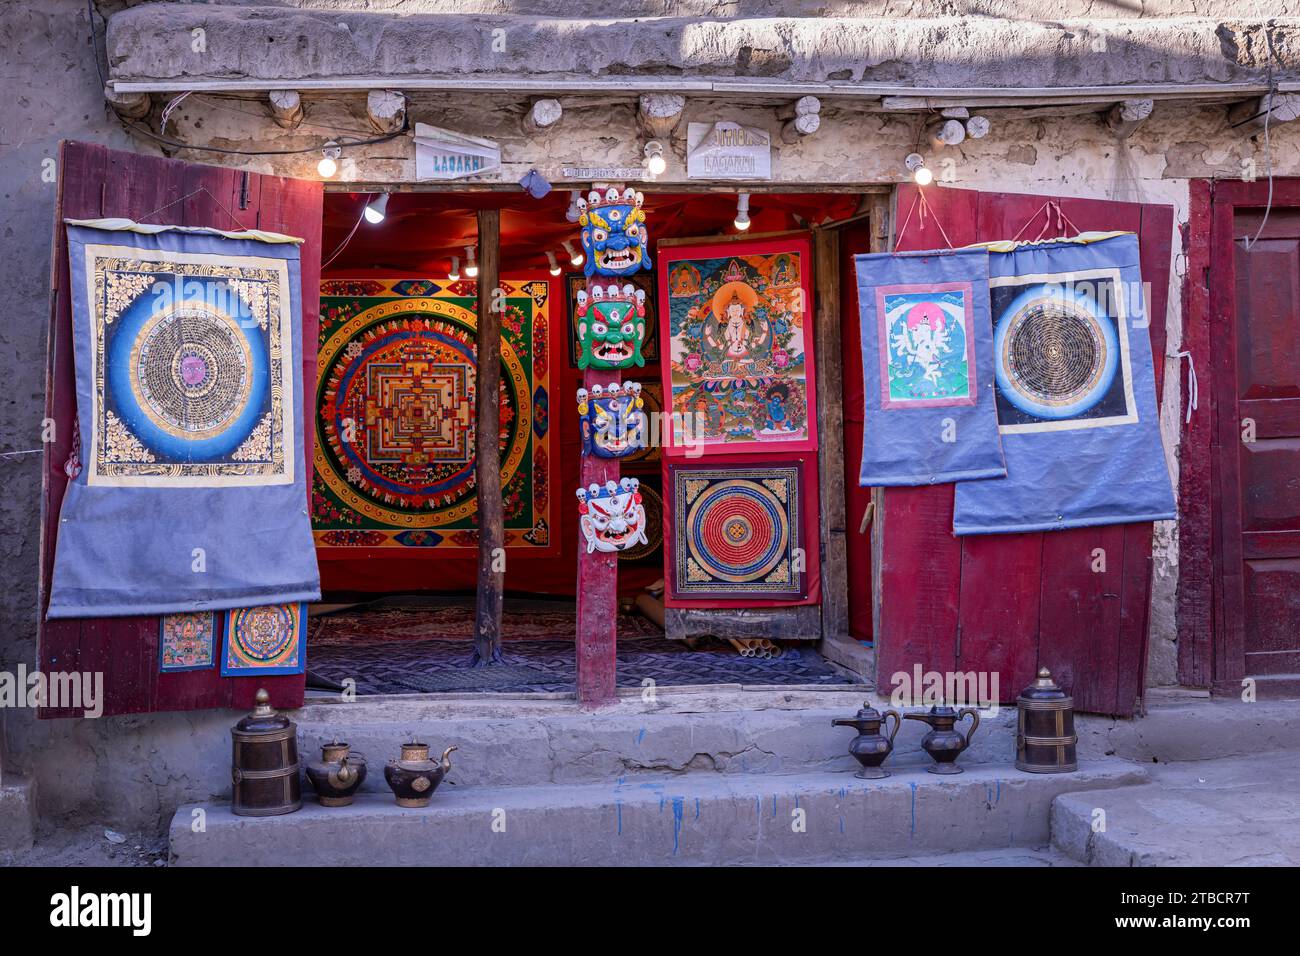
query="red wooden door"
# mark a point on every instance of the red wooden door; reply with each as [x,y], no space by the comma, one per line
[1258,411]
[96,182]
[1007,604]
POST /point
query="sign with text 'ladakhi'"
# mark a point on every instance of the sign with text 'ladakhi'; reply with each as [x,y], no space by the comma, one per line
[446,154]
[726,150]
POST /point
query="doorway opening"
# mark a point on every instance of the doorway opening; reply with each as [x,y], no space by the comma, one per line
[393,497]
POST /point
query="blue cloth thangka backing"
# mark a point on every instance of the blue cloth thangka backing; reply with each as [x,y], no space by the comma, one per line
[1075,392]
[927,369]
[191,493]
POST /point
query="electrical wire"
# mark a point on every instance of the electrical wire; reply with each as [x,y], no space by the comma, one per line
[176,144]
[94,41]
[1268,147]
[357,225]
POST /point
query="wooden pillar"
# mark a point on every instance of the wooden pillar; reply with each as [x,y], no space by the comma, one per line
[487,459]
[597,571]
[597,581]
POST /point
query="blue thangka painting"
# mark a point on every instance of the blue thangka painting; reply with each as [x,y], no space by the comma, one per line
[189,493]
[927,369]
[1075,389]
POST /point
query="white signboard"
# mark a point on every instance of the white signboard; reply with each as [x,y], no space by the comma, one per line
[446,154]
[727,150]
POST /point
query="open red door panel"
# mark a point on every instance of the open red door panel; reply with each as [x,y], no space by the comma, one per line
[96,183]
[1006,604]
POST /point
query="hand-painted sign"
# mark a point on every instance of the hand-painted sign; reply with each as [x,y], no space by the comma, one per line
[727,150]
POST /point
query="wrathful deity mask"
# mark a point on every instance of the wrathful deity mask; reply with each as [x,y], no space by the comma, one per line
[613,420]
[614,235]
[611,326]
[612,518]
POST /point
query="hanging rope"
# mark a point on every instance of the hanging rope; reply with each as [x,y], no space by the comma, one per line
[190,195]
[1193,392]
[1053,208]
[922,207]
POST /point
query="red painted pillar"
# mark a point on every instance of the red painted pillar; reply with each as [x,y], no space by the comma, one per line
[597,583]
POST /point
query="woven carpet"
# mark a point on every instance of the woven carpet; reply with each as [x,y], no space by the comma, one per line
[410,650]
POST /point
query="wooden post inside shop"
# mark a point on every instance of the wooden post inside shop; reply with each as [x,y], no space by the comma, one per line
[597,571]
[487,460]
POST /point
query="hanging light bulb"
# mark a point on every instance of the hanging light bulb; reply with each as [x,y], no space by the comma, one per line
[328,164]
[471,267]
[655,163]
[555,266]
[571,213]
[742,212]
[574,256]
[454,274]
[377,209]
[915,162]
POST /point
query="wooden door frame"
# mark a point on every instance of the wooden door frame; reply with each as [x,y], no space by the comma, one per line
[1210,594]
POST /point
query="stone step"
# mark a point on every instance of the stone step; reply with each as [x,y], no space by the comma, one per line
[17,814]
[1228,812]
[521,741]
[688,819]
[563,744]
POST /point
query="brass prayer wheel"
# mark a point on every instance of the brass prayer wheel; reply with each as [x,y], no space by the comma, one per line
[1045,737]
[264,763]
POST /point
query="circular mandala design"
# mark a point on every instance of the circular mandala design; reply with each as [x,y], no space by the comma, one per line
[263,635]
[397,420]
[738,531]
[191,371]
[1056,357]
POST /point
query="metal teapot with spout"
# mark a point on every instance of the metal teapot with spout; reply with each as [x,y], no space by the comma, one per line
[944,743]
[870,747]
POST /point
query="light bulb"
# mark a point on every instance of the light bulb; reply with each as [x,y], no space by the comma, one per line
[328,164]
[555,266]
[574,255]
[471,267]
[915,162]
[377,209]
[655,163]
[742,212]
[454,274]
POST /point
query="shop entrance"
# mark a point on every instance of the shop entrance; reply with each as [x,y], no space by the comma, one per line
[394,503]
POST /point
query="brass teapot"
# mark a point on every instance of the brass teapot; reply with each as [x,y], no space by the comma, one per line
[338,775]
[870,747]
[414,776]
[944,743]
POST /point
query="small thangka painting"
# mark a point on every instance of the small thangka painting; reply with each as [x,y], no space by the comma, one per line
[187,641]
[927,354]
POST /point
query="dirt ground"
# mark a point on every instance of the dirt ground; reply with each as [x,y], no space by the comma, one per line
[89,846]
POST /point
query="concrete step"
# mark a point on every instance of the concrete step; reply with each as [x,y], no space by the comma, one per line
[519,741]
[694,818]
[17,814]
[1228,812]
[515,743]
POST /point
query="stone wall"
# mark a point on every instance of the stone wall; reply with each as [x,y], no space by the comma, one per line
[133,771]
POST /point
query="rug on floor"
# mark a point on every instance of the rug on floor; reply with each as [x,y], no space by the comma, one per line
[423,666]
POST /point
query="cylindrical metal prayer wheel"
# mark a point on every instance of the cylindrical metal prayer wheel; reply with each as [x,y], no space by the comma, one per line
[264,763]
[1045,737]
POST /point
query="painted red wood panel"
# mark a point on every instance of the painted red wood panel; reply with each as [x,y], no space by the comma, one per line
[1195,599]
[1016,602]
[97,182]
[921,560]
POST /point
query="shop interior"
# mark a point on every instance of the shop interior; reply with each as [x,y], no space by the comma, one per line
[394,526]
